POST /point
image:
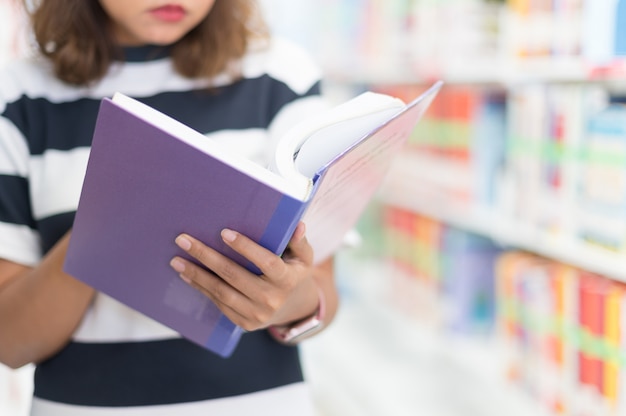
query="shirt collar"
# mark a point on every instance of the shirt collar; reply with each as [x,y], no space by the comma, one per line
[145,53]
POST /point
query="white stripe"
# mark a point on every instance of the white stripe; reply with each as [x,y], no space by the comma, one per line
[20,244]
[249,143]
[14,153]
[130,78]
[108,320]
[294,399]
[32,78]
[54,168]
[284,61]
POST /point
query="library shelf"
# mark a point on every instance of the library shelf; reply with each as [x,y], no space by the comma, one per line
[403,188]
[499,71]
[376,359]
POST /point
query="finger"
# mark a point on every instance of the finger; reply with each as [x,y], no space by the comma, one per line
[231,272]
[270,264]
[239,308]
[210,285]
[217,289]
[299,247]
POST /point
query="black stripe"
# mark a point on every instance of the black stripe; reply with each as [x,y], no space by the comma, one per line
[163,372]
[249,103]
[60,126]
[14,189]
[67,125]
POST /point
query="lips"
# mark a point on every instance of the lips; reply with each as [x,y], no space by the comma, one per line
[169,13]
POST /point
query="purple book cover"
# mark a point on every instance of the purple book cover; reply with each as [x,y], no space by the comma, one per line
[142,188]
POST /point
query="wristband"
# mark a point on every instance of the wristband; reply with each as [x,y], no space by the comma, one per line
[291,334]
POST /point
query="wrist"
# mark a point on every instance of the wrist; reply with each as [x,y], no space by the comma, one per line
[293,333]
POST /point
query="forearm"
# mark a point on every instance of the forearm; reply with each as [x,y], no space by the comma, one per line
[39,308]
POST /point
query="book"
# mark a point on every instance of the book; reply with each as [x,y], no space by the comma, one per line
[150,178]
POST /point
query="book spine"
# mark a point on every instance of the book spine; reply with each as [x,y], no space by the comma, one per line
[612,333]
[224,337]
[281,226]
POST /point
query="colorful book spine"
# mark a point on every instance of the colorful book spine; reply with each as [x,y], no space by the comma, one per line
[612,335]
[620,357]
[467,281]
[602,186]
[563,327]
[565,331]
[450,264]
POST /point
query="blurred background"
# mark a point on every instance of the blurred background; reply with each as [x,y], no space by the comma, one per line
[490,277]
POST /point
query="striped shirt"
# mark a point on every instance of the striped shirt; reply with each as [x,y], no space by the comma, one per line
[120,362]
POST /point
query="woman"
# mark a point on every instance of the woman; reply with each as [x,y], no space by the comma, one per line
[193,60]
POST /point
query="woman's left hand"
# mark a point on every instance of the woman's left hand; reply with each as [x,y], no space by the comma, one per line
[286,290]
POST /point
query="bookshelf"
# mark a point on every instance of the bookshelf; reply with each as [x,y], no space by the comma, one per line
[505,49]
[534,83]
[399,190]
[503,59]
[409,367]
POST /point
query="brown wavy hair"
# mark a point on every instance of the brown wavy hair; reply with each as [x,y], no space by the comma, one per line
[73,35]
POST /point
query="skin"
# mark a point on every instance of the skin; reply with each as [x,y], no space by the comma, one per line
[285,292]
[133,23]
[41,306]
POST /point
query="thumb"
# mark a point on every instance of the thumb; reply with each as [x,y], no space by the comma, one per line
[298,247]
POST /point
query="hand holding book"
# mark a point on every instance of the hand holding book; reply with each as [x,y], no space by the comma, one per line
[285,291]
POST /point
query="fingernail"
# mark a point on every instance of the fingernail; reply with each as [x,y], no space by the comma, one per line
[183,242]
[229,235]
[177,265]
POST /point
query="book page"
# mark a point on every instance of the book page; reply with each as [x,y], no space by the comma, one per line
[348,183]
[326,144]
[345,190]
[312,144]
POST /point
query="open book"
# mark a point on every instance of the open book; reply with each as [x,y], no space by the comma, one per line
[150,178]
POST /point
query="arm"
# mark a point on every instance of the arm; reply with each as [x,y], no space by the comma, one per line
[39,308]
[287,290]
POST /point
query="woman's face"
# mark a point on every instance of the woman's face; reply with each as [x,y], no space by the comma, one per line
[157,22]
